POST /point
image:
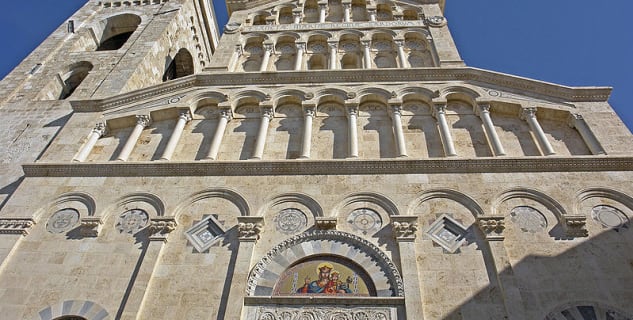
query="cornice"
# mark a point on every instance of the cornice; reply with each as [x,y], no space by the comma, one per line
[465,74]
[330,167]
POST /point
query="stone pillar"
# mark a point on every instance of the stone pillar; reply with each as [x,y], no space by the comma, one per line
[249,229]
[484,114]
[352,116]
[404,229]
[372,13]
[183,118]
[267,115]
[97,132]
[301,48]
[396,122]
[322,11]
[297,15]
[366,53]
[578,122]
[529,115]
[401,55]
[445,132]
[239,51]
[308,115]
[333,54]
[268,50]
[492,229]
[225,116]
[142,121]
[347,11]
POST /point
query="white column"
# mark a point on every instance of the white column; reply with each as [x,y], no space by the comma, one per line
[97,132]
[142,121]
[372,14]
[267,115]
[484,114]
[352,115]
[396,121]
[268,50]
[445,132]
[401,55]
[297,17]
[322,12]
[405,229]
[183,118]
[225,116]
[347,12]
[333,54]
[366,53]
[301,48]
[529,114]
[308,116]
[578,122]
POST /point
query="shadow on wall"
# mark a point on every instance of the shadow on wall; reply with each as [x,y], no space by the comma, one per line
[589,281]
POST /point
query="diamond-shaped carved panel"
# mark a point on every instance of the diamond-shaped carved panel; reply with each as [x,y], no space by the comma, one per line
[205,233]
[448,233]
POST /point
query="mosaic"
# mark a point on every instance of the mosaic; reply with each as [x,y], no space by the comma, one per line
[325,276]
[132,221]
[62,221]
[528,219]
[290,221]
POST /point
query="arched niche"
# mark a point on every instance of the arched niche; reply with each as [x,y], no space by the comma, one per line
[66,82]
[114,31]
[326,244]
[180,66]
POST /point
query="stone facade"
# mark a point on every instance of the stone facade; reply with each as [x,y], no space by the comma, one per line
[152,170]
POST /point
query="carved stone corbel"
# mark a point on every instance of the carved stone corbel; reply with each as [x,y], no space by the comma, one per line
[249,228]
[90,227]
[404,228]
[492,227]
[575,226]
[16,225]
[159,228]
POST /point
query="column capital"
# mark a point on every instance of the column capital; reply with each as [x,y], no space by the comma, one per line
[143,120]
[239,49]
[492,227]
[325,223]
[352,109]
[439,108]
[573,117]
[483,107]
[333,44]
[399,42]
[529,112]
[184,114]
[268,46]
[270,20]
[396,109]
[404,228]
[301,45]
[100,128]
[249,228]
[322,4]
[309,109]
[574,226]
[267,111]
[366,43]
[160,227]
[226,113]
[346,4]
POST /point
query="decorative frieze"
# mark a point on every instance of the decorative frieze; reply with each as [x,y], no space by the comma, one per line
[160,227]
[575,226]
[16,225]
[324,313]
[334,26]
[325,223]
[90,227]
[249,228]
[404,228]
[492,227]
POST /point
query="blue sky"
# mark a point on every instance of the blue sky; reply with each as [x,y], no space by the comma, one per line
[569,42]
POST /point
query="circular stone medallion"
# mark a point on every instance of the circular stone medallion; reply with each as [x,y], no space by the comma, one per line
[62,221]
[609,217]
[132,221]
[528,219]
[365,220]
[290,221]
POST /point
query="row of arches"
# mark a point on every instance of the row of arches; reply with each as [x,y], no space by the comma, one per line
[343,50]
[313,11]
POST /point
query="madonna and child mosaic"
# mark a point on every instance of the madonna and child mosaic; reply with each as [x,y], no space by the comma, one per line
[324,277]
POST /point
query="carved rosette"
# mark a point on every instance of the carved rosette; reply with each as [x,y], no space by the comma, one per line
[249,228]
[159,228]
[16,225]
[404,228]
[575,226]
[90,227]
[492,227]
[325,223]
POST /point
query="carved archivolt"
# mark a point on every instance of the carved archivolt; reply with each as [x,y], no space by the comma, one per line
[381,269]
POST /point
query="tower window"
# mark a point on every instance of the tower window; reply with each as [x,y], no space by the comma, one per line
[115,31]
[180,66]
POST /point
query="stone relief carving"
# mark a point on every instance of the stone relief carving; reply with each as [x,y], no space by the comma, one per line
[132,221]
[204,233]
[62,221]
[90,226]
[404,228]
[159,228]
[323,313]
[290,221]
[16,225]
[609,217]
[528,219]
[447,232]
[365,220]
[575,226]
[492,227]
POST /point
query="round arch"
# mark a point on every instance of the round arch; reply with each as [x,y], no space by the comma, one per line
[226,194]
[614,195]
[531,194]
[454,195]
[73,309]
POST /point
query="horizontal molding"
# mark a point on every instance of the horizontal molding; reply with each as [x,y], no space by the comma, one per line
[323,300]
[329,167]
[416,75]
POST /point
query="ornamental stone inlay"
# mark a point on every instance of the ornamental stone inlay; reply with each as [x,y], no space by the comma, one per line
[62,221]
[609,217]
[324,313]
[448,233]
[290,221]
[205,233]
[528,219]
[365,220]
[132,221]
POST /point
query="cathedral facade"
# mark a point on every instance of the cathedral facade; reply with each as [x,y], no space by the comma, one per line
[322,159]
